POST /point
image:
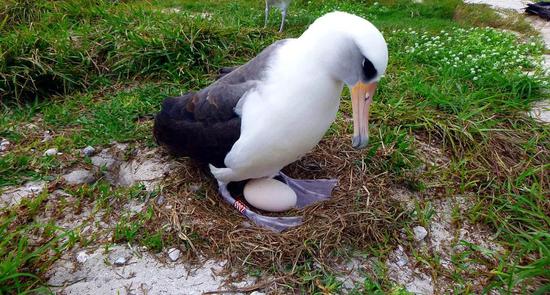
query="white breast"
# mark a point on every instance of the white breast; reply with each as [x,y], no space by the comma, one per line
[284,118]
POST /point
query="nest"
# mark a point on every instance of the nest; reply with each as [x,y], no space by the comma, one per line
[360,213]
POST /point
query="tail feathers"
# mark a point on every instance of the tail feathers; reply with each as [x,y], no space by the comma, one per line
[222,174]
[181,133]
[167,130]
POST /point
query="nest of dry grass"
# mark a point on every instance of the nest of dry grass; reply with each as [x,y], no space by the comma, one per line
[360,213]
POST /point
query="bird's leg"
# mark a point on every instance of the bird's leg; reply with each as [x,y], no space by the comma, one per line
[310,191]
[266,13]
[283,13]
[276,224]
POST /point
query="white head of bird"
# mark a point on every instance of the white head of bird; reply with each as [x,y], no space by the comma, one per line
[338,48]
[363,60]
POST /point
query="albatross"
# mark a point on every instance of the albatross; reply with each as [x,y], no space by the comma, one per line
[257,118]
[282,5]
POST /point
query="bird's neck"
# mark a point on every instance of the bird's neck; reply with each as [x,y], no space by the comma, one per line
[301,68]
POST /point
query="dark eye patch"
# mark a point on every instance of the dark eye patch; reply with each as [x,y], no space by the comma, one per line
[368,69]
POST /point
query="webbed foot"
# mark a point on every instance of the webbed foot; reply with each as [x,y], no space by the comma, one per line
[276,224]
[309,191]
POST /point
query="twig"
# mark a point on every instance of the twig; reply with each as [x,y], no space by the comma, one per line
[246,289]
[67,284]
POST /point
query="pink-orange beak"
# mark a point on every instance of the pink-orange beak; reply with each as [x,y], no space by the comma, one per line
[361,99]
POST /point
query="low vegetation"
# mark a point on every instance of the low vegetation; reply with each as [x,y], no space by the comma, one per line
[94,72]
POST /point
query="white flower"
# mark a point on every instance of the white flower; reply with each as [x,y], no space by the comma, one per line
[475,78]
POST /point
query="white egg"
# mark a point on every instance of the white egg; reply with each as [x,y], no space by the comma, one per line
[269,194]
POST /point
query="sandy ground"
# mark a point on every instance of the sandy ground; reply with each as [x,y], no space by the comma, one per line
[122,270]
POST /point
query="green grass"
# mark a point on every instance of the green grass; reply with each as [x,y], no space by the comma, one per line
[93,72]
[70,47]
[483,15]
[28,247]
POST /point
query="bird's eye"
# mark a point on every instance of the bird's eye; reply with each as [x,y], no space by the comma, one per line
[368,69]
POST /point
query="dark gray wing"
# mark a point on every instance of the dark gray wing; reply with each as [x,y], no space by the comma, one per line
[204,125]
[224,71]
